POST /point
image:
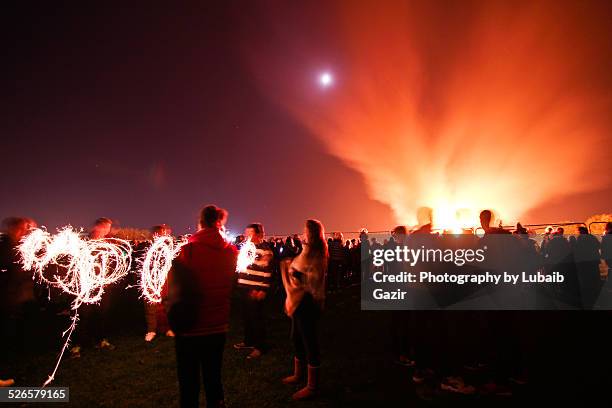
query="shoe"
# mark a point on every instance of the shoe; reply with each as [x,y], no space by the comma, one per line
[105,344]
[519,380]
[254,354]
[311,389]
[242,346]
[298,373]
[421,374]
[492,388]
[405,361]
[457,385]
[75,352]
[476,366]
[150,336]
[418,377]
[7,383]
[170,333]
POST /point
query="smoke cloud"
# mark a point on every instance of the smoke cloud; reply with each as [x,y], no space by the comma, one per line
[456,106]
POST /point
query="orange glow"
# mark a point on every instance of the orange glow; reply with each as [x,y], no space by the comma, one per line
[459,108]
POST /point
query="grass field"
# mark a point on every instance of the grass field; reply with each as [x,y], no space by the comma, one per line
[358,368]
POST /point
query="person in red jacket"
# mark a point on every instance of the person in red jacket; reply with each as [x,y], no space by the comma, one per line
[199,289]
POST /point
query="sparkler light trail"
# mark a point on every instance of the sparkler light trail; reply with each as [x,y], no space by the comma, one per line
[156,265]
[84,268]
[246,256]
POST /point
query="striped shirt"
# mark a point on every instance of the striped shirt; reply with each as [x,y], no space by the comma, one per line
[259,275]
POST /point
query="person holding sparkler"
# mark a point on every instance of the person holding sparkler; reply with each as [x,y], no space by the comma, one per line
[199,289]
[304,282]
[255,283]
[94,316]
[17,301]
[155,313]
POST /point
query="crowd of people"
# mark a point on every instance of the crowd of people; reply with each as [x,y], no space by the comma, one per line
[303,269]
[502,343]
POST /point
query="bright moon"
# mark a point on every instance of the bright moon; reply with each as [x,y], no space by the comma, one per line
[325,79]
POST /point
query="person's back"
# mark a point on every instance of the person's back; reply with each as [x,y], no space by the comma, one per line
[211,263]
[199,289]
[606,245]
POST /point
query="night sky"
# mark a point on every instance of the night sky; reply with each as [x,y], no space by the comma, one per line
[144,114]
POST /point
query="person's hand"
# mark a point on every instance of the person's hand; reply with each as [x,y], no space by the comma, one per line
[257,294]
[260,295]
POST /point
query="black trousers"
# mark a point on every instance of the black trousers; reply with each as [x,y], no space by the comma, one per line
[254,319]
[195,354]
[304,331]
[93,323]
[334,274]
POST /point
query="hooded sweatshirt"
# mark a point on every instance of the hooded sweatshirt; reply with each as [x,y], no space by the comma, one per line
[207,266]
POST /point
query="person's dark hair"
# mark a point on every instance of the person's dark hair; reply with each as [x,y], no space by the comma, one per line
[102,221]
[12,222]
[583,230]
[210,215]
[258,228]
[486,216]
[399,230]
[609,228]
[317,246]
[520,229]
[158,229]
[560,230]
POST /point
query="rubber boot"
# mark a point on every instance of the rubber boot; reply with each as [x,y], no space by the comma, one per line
[312,388]
[298,373]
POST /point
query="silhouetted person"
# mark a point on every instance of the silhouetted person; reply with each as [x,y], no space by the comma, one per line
[586,257]
[606,247]
[199,289]
[337,262]
[17,301]
[559,258]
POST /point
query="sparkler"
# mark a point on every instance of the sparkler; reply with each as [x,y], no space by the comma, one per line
[87,267]
[156,265]
[246,256]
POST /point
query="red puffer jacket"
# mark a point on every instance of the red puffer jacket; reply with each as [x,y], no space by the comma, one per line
[200,285]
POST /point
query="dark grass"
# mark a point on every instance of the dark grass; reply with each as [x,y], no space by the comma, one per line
[358,368]
[141,374]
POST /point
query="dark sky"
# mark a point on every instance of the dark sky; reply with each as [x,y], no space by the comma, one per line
[144,114]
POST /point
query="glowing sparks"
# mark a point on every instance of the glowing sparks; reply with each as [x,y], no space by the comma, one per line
[83,268]
[156,265]
[246,256]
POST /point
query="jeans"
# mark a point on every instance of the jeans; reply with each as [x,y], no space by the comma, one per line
[304,331]
[155,315]
[195,354]
[254,318]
